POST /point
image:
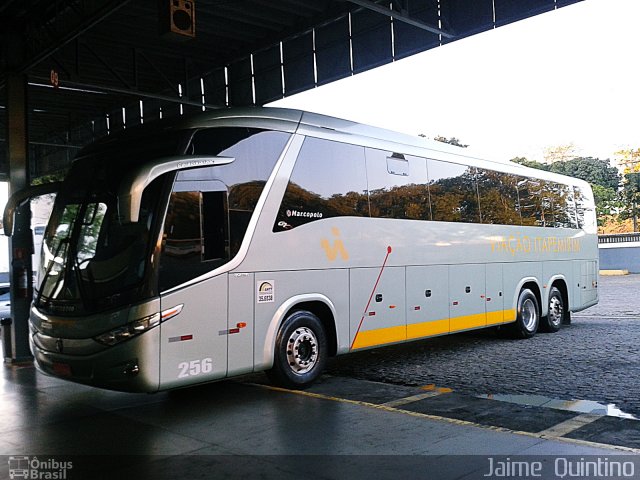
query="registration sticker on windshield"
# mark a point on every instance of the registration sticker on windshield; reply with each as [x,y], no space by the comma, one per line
[265,291]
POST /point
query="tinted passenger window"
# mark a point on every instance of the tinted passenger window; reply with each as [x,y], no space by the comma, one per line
[498,197]
[546,204]
[580,202]
[453,192]
[530,197]
[571,207]
[210,207]
[328,180]
[183,241]
[255,152]
[560,201]
[397,185]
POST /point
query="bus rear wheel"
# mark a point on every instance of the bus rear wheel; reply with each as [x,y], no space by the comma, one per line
[556,312]
[301,351]
[528,316]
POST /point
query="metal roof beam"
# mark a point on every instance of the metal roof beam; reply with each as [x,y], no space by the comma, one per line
[50,44]
[139,94]
[369,5]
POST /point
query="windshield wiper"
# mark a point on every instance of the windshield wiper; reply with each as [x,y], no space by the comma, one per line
[79,281]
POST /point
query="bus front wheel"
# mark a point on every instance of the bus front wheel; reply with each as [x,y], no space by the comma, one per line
[528,315]
[301,351]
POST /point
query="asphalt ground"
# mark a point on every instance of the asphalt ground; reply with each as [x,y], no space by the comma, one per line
[341,428]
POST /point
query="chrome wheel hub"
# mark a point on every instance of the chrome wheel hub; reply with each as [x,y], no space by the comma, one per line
[529,315]
[302,350]
[555,311]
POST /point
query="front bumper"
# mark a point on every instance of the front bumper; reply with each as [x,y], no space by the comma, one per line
[131,366]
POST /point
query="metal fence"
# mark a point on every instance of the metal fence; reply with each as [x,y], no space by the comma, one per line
[619,238]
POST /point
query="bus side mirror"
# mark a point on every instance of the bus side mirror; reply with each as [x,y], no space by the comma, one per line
[134,183]
[20,197]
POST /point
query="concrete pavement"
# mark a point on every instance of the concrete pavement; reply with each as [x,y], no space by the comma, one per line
[238,429]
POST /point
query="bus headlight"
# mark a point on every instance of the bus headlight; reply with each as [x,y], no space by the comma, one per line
[120,334]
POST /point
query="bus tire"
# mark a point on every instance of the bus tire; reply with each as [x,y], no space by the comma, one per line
[555,313]
[301,351]
[528,315]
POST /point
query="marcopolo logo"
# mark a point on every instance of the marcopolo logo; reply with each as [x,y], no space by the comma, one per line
[38,469]
[296,213]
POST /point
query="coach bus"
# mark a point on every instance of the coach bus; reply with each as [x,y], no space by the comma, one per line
[247,240]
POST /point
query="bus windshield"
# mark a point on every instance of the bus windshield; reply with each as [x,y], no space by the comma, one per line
[90,260]
[87,254]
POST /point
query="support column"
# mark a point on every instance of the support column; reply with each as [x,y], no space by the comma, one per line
[21,243]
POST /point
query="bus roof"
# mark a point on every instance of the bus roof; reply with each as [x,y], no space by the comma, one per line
[314,124]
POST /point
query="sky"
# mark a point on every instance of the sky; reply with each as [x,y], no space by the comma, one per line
[570,76]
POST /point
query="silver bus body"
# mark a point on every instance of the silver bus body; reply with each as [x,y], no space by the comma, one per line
[371,277]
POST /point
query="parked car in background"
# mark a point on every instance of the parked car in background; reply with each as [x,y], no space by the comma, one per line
[5,300]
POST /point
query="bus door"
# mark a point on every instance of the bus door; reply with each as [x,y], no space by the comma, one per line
[194,342]
[467,296]
[194,329]
[377,306]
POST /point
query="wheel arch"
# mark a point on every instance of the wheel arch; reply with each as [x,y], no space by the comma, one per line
[559,282]
[315,303]
[327,317]
[532,284]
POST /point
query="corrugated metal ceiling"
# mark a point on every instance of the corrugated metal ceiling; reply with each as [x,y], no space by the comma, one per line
[114,66]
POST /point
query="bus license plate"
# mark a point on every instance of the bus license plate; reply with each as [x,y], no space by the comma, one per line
[62,369]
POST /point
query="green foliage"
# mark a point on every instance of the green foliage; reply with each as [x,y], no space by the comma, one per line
[593,170]
[53,177]
[630,196]
[629,159]
[607,202]
[450,141]
[524,161]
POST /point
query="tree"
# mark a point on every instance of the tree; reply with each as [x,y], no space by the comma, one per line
[593,170]
[630,193]
[631,197]
[629,160]
[561,153]
[450,141]
[524,161]
[607,203]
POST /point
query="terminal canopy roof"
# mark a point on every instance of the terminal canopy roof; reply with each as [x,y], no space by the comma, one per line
[96,66]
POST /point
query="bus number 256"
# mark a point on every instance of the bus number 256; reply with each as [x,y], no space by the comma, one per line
[195,367]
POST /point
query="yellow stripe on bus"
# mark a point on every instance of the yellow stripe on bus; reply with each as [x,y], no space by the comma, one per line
[501,316]
[467,322]
[382,336]
[427,329]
